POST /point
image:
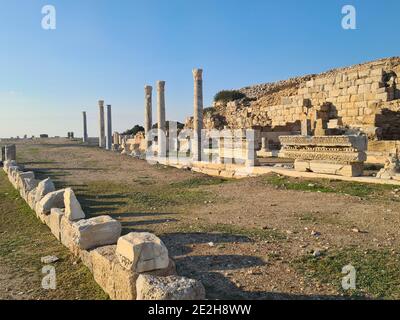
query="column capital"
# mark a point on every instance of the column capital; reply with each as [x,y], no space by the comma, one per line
[198,74]
[148,89]
[160,85]
[101,103]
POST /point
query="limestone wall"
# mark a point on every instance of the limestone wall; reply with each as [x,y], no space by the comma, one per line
[363,96]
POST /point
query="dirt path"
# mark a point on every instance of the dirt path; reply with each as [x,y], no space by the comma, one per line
[253,238]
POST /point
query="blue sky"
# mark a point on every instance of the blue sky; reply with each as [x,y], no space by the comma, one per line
[109,50]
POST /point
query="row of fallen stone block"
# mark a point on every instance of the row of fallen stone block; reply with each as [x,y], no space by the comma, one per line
[135,266]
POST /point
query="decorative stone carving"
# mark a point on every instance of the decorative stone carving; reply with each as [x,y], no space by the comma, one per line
[340,155]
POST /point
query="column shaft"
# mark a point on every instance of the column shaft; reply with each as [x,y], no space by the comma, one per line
[109,128]
[198,113]
[162,132]
[148,121]
[102,137]
[85,134]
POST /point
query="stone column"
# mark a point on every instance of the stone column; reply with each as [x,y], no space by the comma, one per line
[109,128]
[85,134]
[162,132]
[148,120]
[198,113]
[102,136]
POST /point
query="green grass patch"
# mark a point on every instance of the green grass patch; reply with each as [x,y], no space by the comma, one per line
[198,181]
[377,272]
[356,189]
[233,230]
[167,198]
[24,240]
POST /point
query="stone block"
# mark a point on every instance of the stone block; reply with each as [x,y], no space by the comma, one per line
[55,222]
[118,282]
[68,234]
[44,187]
[51,200]
[325,167]
[73,209]
[31,198]
[169,288]
[141,252]
[96,232]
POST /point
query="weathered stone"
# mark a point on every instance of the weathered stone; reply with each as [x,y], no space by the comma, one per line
[340,155]
[169,288]
[142,252]
[347,170]
[7,164]
[391,169]
[96,232]
[73,209]
[20,178]
[68,234]
[44,187]
[51,200]
[31,196]
[55,222]
[118,282]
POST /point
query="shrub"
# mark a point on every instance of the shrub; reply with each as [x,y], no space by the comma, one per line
[134,130]
[229,95]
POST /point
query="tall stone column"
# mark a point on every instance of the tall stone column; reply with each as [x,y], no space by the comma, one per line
[148,120]
[109,128]
[85,134]
[198,113]
[162,132]
[102,136]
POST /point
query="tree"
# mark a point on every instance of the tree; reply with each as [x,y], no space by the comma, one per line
[134,130]
[228,95]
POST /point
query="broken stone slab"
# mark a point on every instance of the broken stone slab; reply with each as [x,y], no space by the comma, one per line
[325,167]
[30,184]
[31,196]
[150,287]
[96,232]
[73,209]
[21,176]
[68,234]
[55,222]
[51,200]
[27,186]
[141,252]
[44,187]
[118,282]
[49,259]
[88,234]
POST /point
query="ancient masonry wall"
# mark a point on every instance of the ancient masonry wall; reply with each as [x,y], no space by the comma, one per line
[364,96]
[135,266]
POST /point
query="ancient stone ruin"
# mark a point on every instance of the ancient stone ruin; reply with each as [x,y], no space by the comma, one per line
[129,267]
[331,124]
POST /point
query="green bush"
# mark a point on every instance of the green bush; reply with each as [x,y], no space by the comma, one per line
[134,130]
[229,95]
